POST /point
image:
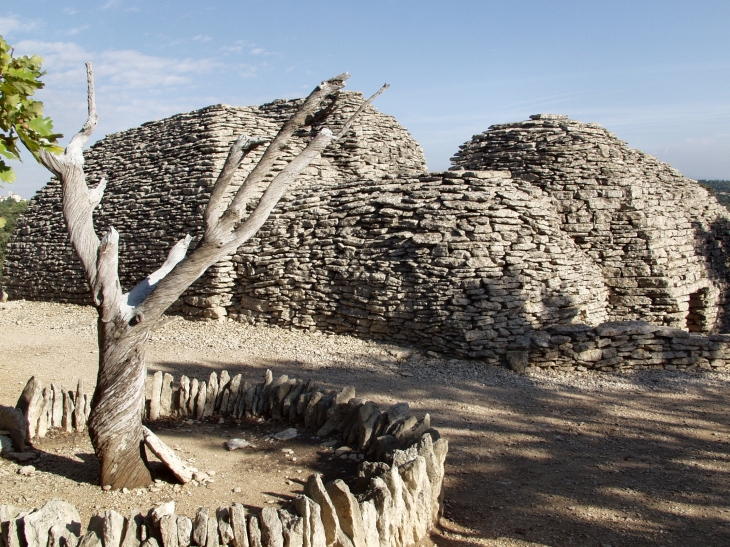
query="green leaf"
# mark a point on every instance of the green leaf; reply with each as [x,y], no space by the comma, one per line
[6,173]
[21,117]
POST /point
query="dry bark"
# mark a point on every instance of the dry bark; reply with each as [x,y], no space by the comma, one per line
[125,319]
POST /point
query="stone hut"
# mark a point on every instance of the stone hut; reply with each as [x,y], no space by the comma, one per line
[660,240]
[159,180]
[542,225]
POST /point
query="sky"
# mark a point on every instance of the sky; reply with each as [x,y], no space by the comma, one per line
[656,73]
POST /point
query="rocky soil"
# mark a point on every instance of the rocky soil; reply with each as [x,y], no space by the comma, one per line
[545,459]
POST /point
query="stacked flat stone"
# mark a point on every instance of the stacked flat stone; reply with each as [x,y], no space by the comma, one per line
[623,345]
[659,238]
[160,176]
[397,504]
[466,263]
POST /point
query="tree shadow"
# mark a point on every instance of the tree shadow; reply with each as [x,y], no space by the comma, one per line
[545,461]
[85,471]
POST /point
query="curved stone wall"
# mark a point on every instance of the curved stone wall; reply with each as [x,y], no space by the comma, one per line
[397,502]
[661,240]
[464,263]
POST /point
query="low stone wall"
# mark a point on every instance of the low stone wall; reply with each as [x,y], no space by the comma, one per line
[621,346]
[397,506]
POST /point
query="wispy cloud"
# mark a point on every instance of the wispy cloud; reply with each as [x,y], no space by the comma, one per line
[202,38]
[258,51]
[76,30]
[12,24]
[70,11]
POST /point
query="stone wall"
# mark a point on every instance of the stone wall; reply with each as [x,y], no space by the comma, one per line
[660,239]
[462,263]
[397,502]
[624,345]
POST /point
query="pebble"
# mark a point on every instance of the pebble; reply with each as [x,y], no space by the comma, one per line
[27,471]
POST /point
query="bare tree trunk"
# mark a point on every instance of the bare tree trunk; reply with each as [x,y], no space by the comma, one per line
[115,424]
[125,319]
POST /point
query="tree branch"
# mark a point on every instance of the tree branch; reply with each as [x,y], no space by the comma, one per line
[348,123]
[78,201]
[108,292]
[209,252]
[132,299]
[237,152]
[273,151]
[74,150]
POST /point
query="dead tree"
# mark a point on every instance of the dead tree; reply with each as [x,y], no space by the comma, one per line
[126,319]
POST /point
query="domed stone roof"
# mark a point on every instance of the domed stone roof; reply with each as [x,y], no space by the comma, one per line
[660,239]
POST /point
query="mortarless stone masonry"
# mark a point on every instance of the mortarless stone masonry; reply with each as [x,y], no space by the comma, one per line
[660,239]
[541,225]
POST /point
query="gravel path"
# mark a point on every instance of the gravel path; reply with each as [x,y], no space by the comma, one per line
[545,459]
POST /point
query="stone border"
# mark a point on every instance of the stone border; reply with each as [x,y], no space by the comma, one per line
[398,506]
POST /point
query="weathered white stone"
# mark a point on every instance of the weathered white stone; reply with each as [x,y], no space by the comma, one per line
[133,530]
[348,512]
[370,523]
[80,409]
[184,531]
[238,523]
[225,530]
[315,490]
[167,456]
[37,524]
[168,530]
[272,534]
[57,409]
[313,529]
[200,400]
[155,397]
[67,422]
[292,529]
[200,527]
[112,528]
[165,395]
[182,407]
[254,532]
[211,394]
[30,404]
[212,537]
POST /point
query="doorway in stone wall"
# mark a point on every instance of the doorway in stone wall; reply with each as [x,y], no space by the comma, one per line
[697,319]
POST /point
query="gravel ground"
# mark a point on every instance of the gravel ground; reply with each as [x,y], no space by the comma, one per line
[543,459]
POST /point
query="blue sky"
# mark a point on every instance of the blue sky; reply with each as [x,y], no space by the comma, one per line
[656,73]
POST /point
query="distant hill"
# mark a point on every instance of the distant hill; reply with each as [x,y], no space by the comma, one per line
[720,189]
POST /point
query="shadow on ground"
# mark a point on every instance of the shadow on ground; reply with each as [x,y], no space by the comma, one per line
[641,462]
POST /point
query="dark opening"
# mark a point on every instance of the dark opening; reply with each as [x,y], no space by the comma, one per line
[697,315]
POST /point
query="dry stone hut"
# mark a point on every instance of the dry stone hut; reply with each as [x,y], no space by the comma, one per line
[159,180]
[660,240]
[542,232]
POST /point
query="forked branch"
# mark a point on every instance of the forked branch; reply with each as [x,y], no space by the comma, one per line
[79,201]
[224,234]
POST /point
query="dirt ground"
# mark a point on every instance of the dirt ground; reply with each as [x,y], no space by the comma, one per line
[545,459]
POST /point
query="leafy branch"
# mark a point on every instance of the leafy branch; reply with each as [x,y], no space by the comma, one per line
[21,117]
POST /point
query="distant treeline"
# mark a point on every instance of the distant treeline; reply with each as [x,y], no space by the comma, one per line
[720,189]
[10,210]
